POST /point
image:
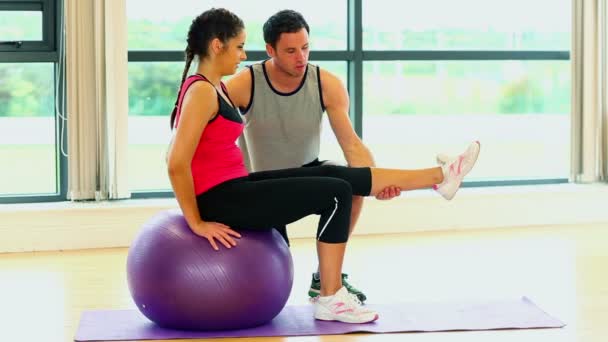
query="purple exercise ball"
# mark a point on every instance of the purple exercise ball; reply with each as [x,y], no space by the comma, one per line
[178,281]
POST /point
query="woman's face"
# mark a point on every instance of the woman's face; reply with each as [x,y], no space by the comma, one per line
[233,53]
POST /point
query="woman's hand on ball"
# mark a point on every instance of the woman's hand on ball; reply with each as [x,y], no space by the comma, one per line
[219,231]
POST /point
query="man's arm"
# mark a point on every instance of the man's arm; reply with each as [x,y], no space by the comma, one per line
[239,88]
[336,100]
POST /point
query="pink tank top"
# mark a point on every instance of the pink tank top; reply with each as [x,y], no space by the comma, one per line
[217,157]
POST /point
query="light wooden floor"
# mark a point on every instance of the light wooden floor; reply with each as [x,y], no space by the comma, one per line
[563,269]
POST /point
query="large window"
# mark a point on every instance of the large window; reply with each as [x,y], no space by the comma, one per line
[152,93]
[424,77]
[437,74]
[27,129]
[157,34]
[518,109]
[29,149]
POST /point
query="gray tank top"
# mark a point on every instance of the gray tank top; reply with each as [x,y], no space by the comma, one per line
[282,130]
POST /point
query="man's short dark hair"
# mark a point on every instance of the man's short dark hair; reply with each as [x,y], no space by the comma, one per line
[285,21]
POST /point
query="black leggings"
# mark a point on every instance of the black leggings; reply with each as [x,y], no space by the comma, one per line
[263,200]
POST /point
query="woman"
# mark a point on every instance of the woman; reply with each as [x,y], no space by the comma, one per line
[218,196]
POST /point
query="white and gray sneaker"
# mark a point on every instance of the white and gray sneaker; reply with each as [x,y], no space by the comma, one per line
[455,169]
[342,307]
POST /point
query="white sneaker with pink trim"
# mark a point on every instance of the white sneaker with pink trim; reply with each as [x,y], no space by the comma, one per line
[343,307]
[454,170]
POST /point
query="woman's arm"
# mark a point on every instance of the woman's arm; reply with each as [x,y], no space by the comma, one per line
[200,105]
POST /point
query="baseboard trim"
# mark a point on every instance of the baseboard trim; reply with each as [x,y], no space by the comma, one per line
[67,225]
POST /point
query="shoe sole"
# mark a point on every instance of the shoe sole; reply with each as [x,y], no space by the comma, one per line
[465,172]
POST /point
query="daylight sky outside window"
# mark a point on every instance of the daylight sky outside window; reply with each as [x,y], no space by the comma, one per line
[20,25]
[164,25]
[467,24]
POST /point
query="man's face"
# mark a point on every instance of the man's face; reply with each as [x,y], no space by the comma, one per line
[291,52]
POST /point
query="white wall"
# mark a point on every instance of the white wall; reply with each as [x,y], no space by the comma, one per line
[59,226]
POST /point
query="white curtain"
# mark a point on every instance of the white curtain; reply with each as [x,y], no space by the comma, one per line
[97,98]
[589,85]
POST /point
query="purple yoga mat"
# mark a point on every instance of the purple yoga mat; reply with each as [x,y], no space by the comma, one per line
[127,325]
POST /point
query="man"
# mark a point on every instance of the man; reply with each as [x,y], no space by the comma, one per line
[283,100]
